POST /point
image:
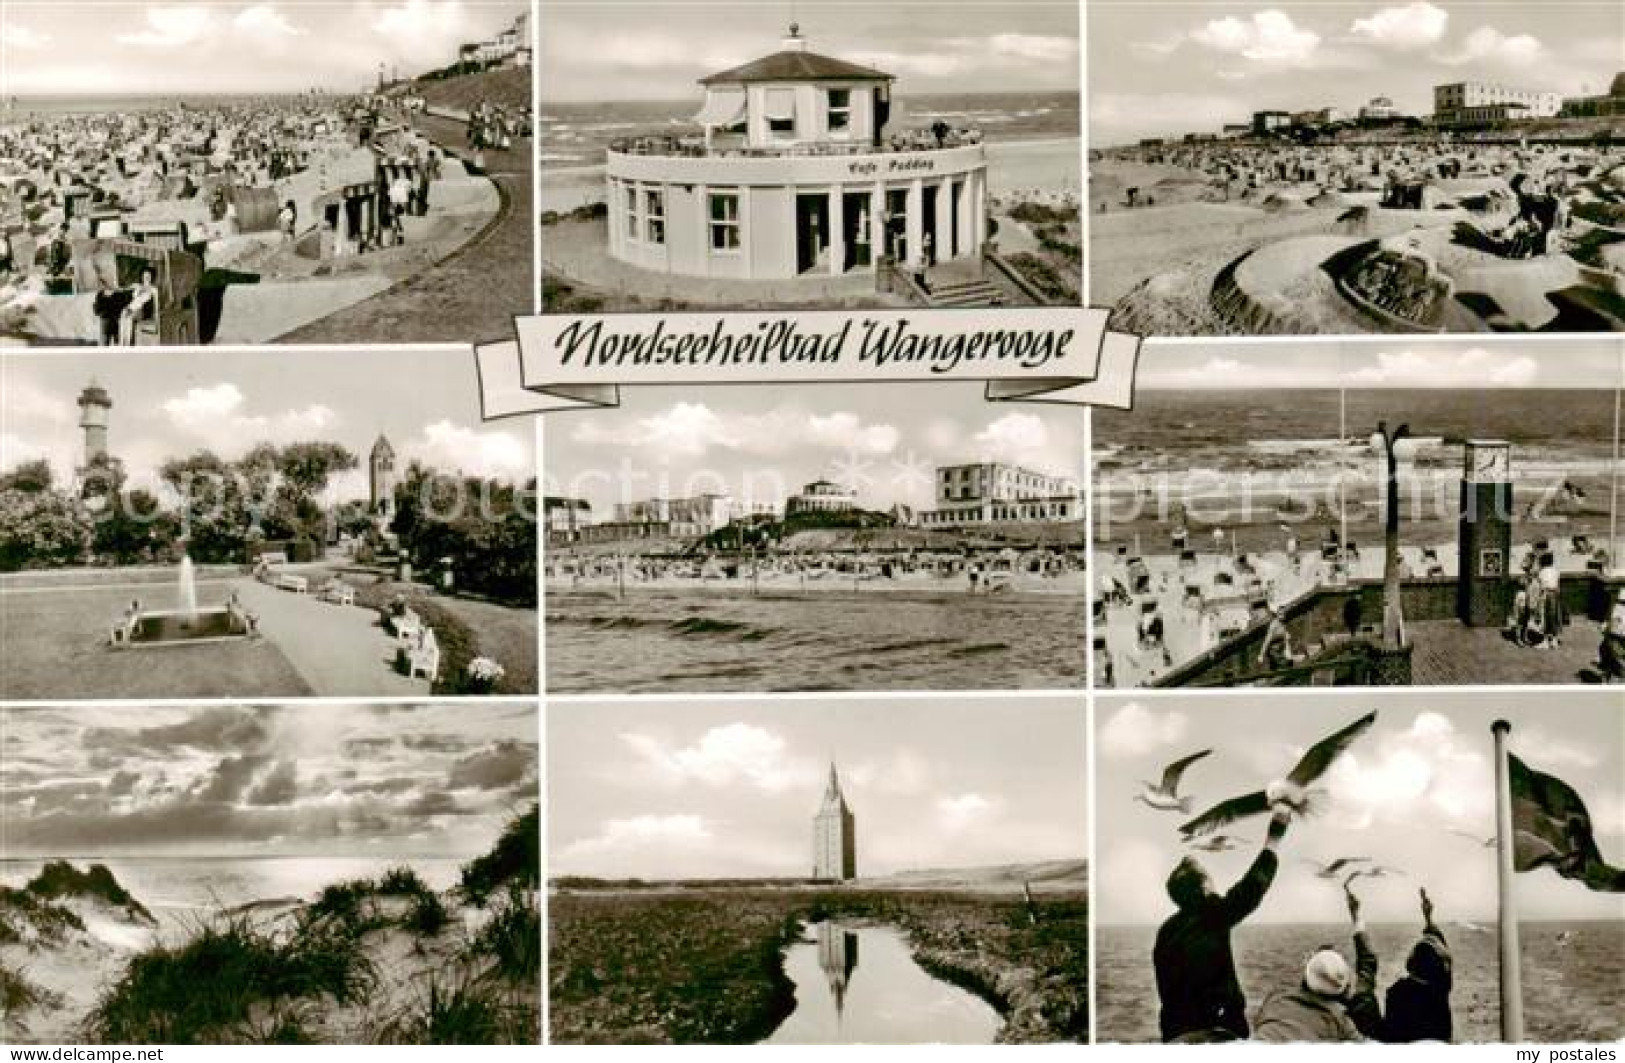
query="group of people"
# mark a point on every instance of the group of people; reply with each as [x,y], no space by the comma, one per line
[982,573]
[1537,617]
[1200,995]
[119,311]
[492,126]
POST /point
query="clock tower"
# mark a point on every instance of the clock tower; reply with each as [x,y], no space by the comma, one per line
[1483,581]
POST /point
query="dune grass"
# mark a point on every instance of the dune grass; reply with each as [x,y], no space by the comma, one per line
[210,988]
[22,911]
[17,993]
[464,1008]
[239,979]
[512,940]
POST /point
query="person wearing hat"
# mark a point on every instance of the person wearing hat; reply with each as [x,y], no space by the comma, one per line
[1611,654]
[1199,994]
[1315,1011]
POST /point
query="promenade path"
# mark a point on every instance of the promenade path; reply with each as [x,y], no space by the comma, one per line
[338,650]
[472,295]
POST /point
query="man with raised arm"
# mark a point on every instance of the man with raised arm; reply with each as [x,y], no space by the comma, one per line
[1200,995]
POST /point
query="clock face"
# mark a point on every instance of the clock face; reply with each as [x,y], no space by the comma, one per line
[1489,463]
[1491,562]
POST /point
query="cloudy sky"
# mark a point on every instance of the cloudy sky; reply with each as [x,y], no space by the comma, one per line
[1163,68]
[702,790]
[1566,362]
[172,405]
[129,47]
[430,780]
[758,444]
[1424,770]
[620,50]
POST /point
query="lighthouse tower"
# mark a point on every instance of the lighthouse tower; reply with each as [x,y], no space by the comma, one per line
[835,850]
[94,406]
[381,478]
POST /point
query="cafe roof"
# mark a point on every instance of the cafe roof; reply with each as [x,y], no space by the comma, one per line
[796,65]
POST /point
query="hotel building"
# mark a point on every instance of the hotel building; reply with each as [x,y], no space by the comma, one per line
[993,491]
[1470,103]
[682,517]
[794,174]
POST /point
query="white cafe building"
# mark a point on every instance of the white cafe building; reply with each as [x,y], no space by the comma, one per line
[795,174]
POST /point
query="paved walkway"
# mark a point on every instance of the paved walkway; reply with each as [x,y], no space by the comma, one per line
[475,293]
[1449,653]
[338,649]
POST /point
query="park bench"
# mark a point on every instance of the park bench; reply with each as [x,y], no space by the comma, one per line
[123,629]
[287,581]
[274,557]
[338,593]
[406,626]
[425,657]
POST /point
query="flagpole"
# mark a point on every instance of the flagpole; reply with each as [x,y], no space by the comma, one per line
[1342,500]
[1511,979]
[1614,564]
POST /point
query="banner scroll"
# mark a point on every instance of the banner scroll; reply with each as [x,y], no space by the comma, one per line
[564,362]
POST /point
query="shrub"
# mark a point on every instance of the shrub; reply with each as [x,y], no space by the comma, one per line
[401,882]
[427,915]
[515,859]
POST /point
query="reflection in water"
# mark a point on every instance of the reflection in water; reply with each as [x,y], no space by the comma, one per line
[889,1000]
[837,955]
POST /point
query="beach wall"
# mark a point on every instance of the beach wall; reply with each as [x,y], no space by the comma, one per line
[1316,616]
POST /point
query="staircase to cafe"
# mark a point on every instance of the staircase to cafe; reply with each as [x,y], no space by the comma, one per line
[961,284]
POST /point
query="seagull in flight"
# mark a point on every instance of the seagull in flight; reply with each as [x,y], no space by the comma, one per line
[1487,843]
[1375,871]
[1329,871]
[1165,795]
[1294,789]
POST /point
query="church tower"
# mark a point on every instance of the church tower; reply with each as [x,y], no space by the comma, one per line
[94,405]
[835,850]
[381,478]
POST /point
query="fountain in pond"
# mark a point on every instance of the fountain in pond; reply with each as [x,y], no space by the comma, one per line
[188,622]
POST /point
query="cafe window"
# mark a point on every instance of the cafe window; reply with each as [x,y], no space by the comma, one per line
[780,107]
[724,221]
[840,110]
[654,216]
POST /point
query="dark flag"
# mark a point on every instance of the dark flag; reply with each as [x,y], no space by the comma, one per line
[1551,828]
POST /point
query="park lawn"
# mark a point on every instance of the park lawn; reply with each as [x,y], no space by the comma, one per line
[54,644]
[505,633]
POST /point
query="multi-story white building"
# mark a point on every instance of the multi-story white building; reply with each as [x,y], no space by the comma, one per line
[1472,103]
[701,514]
[794,174]
[512,45]
[987,492]
[565,516]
